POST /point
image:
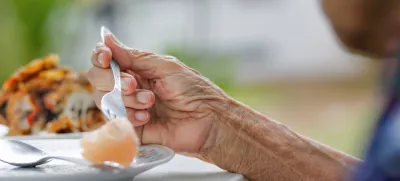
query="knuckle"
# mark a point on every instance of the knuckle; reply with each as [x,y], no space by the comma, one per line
[90,74]
[170,57]
[139,54]
[95,54]
[172,62]
[99,45]
[105,49]
[179,64]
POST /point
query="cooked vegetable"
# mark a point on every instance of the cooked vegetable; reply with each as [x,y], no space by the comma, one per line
[46,97]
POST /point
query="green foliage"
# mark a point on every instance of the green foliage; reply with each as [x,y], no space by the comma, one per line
[219,68]
[24,32]
[32,16]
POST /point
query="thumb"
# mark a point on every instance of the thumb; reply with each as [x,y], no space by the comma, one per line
[145,64]
[120,52]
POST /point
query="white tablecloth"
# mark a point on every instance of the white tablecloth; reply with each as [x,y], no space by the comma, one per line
[180,168]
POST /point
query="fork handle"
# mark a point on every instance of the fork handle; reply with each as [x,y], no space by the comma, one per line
[117,74]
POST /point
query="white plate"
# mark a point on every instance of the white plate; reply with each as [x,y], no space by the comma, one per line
[4,130]
[149,157]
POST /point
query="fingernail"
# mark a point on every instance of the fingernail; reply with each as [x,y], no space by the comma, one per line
[143,97]
[106,32]
[141,115]
[100,59]
[125,83]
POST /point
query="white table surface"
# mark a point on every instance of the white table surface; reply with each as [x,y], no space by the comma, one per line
[180,168]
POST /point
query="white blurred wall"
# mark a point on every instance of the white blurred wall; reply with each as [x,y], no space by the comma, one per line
[273,40]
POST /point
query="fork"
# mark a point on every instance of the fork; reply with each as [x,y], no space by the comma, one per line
[112,104]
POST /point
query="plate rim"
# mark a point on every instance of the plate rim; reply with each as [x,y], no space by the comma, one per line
[46,137]
[124,173]
[4,129]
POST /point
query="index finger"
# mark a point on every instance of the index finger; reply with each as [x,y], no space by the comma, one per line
[101,56]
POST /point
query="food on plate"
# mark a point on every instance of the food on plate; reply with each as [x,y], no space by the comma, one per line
[44,97]
[116,142]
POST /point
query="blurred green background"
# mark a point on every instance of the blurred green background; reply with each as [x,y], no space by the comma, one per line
[260,55]
[23,31]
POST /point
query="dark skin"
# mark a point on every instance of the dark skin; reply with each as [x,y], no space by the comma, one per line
[172,104]
[370,27]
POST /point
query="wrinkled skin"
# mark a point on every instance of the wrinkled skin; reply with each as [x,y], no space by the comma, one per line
[177,109]
[189,113]
[173,105]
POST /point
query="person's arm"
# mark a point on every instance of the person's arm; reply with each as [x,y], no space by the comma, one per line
[262,149]
[366,26]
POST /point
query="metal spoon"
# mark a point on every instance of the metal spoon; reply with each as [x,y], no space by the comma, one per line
[20,154]
[112,105]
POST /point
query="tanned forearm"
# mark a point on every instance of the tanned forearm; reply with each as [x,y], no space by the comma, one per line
[262,149]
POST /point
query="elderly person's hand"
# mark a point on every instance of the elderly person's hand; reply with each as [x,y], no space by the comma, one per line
[168,102]
[173,105]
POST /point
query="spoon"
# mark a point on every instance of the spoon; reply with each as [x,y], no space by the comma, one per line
[20,154]
[112,104]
